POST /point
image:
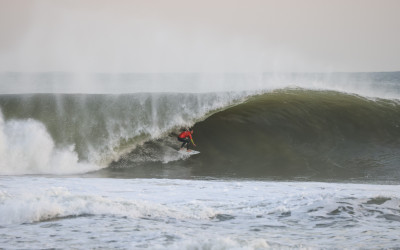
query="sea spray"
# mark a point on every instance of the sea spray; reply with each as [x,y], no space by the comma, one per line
[27,148]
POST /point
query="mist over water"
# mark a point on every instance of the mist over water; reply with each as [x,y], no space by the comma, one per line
[380,85]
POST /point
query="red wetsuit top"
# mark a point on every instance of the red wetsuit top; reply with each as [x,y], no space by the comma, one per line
[185,134]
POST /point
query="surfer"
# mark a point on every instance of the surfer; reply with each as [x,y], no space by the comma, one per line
[186,138]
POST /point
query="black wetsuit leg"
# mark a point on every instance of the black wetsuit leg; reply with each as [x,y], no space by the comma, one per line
[185,141]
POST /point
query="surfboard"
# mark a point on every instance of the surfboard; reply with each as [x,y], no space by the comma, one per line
[192,152]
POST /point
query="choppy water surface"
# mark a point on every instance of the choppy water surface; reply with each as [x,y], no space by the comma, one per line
[40,212]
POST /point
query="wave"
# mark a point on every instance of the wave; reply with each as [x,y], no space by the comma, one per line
[323,128]
[75,133]
[286,134]
[58,203]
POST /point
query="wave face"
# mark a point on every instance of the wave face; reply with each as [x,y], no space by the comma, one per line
[57,133]
[288,134]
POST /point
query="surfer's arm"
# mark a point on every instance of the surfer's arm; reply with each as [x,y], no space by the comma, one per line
[191,139]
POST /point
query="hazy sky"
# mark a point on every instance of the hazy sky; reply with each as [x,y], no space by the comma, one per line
[199,36]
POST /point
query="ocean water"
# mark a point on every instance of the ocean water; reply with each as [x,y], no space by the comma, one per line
[293,161]
[43,212]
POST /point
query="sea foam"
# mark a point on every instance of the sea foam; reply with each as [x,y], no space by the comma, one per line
[27,148]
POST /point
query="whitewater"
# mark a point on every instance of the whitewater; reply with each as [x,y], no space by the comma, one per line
[287,161]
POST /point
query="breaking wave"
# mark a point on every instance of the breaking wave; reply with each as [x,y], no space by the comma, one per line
[74,133]
[340,129]
[291,133]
